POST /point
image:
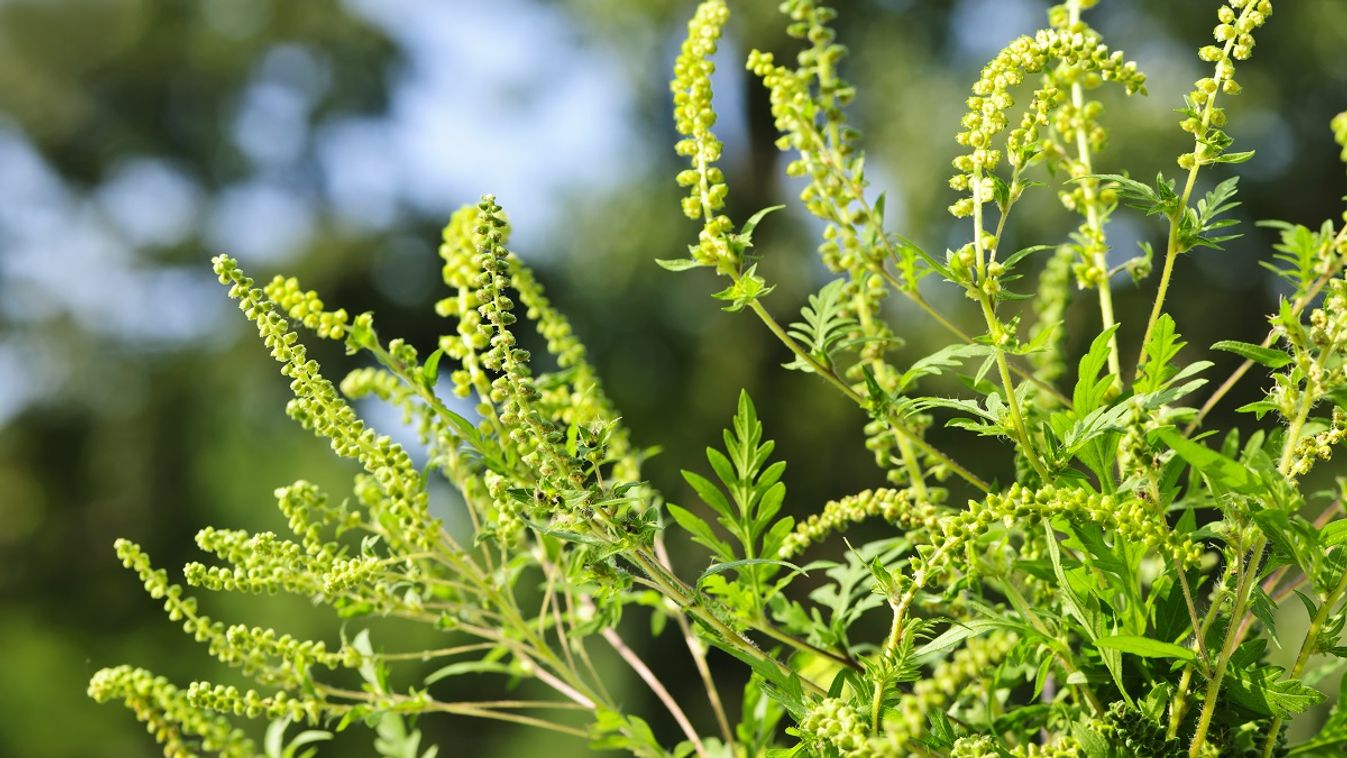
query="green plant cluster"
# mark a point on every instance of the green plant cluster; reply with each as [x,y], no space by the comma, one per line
[1117,598]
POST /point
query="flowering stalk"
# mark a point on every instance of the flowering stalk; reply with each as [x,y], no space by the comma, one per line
[1238,20]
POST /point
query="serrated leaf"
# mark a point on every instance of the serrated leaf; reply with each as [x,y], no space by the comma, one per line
[956,634]
[1334,534]
[1146,647]
[1220,469]
[709,493]
[1270,357]
[824,327]
[1091,742]
[1262,691]
[1090,389]
[934,364]
[1164,344]
[742,562]
[701,531]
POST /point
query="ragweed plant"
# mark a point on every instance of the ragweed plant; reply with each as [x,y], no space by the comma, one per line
[1117,599]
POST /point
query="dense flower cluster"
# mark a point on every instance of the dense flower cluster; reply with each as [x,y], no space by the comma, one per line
[538,440]
[319,408]
[1319,446]
[460,273]
[226,698]
[1339,126]
[835,725]
[576,394]
[1136,735]
[1050,304]
[986,117]
[985,747]
[306,307]
[1234,34]
[961,677]
[176,723]
[808,104]
[1076,135]
[284,661]
[896,506]
[1133,520]
[694,117]
[1079,582]
[1318,367]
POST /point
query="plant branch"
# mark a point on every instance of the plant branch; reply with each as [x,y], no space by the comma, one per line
[832,378]
[698,652]
[657,687]
[1172,242]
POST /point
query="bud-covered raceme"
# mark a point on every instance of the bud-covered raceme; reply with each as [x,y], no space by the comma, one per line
[319,408]
[1050,305]
[898,507]
[693,118]
[1339,126]
[959,678]
[226,698]
[1238,19]
[835,726]
[535,438]
[169,715]
[1135,734]
[1079,51]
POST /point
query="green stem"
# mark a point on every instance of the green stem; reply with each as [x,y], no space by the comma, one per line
[469,708]
[698,652]
[1171,253]
[1083,688]
[994,327]
[1247,581]
[682,595]
[1012,401]
[1306,648]
[832,378]
[1172,244]
[1246,584]
[926,307]
[1178,706]
[914,472]
[858,190]
[1093,219]
[1297,307]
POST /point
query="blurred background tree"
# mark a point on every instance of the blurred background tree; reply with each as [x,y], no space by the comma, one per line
[332,139]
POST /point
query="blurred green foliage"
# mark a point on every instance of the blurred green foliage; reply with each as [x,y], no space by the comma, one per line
[154,429]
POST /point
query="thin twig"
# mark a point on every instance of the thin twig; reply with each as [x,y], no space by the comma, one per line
[657,687]
[698,652]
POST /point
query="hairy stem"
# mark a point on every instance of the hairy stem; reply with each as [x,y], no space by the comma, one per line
[1064,658]
[994,330]
[1248,578]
